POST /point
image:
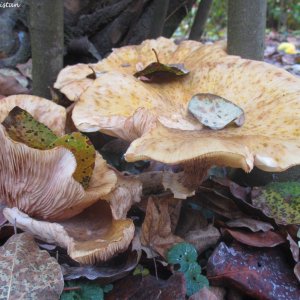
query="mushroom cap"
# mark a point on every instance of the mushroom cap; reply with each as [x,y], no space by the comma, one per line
[45,111]
[89,237]
[41,184]
[73,80]
[156,116]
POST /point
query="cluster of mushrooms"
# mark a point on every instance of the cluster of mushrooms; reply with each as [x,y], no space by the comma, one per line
[37,186]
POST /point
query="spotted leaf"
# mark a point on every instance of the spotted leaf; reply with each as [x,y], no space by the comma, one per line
[22,127]
[215,112]
[84,153]
[279,200]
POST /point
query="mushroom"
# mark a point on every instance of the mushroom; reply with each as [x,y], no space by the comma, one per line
[89,237]
[155,116]
[38,187]
[41,183]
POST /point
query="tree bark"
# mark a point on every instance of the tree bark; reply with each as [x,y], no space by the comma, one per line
[246,28]
[177,10]
[47,43]
[160,9]
[200,19]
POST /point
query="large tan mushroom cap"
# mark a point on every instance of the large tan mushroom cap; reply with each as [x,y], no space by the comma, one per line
[72,81]
[41,184]
[89,237]
[43,110]
[119,104]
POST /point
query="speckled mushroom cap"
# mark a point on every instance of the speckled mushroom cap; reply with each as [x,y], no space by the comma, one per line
[89,237]
[156,118]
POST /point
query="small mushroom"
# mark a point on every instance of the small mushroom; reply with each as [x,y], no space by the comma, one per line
[156,118]
[89,237]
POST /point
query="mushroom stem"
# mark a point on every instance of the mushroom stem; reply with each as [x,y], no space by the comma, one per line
[195,172]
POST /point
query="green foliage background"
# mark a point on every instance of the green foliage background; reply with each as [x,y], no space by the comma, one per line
[282,15]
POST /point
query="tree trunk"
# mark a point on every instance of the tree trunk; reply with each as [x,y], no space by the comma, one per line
[177,10]
[160,9]
[47,43]
[246,28]
[200,20]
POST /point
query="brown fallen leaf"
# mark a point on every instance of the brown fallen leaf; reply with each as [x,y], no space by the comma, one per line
[294,248]
[204,238]
[257,239]
[149,287]
[10,86]
[127,192]
[209,293]
[156,229]
[262,273]
[105,273]
[252,224]
[28,272]
[26,69]
[297,271]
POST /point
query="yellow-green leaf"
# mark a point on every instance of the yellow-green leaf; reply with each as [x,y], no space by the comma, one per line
[22,127]
[84,153]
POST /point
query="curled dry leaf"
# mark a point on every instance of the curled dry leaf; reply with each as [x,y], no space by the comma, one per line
[89,237]
[105,273]
[209,293]
[260,273]
[252,224]
[128,191]
[294,248]
[149,287]
[257,239]
[157,71]
[156,229]
[204,238]
[215,112]
[28,272]
[10,86]
[120,105]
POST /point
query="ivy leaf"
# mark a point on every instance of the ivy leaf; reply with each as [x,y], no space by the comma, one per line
[157,69]
[215,112]
[86,291]
[84,152]
[279,200]
[194,280]
[183,254]
[22,127]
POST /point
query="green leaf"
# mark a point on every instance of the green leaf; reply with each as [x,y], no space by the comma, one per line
[194,280]
[87,291]
[183,254]
[84,152]
[22,127]
[279,200]
[156,69]
[215,112]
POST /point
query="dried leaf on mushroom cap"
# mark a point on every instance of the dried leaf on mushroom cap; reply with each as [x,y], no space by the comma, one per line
[40,182]
[43,110]
[89,237]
